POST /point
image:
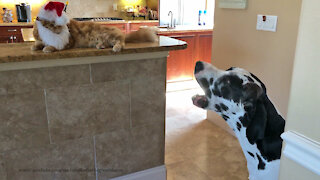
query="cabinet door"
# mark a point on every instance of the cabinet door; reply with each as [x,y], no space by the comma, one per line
[4,39]
[205,48]
[136,26]
[121,26]
[180,63]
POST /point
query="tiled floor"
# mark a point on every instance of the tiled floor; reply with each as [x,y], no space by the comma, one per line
[195,148]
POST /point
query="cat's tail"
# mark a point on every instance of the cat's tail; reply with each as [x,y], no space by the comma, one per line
[142,35]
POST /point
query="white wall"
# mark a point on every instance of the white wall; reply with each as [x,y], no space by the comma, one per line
[269,55]
[304,107]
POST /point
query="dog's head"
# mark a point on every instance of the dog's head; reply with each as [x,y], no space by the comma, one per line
[234,85]
[241,99]
[235,94]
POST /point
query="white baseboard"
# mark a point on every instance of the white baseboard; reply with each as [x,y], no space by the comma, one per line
[157,173]
[302,150]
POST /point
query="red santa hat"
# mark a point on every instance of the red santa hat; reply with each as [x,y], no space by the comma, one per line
[53,11]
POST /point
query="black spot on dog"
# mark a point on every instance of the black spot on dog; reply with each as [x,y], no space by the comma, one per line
[229,87]
[225,117]
[224,107]
[251,154]
[218,108]
[238,126]
[249,78]
[230,69]
[261,164]
[233,113]
[262,85]
[211,81]
[199,67]
[208,93]
[204,82]
[244,120]
[216,92]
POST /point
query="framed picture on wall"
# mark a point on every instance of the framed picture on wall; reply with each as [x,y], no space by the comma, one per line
[233,4]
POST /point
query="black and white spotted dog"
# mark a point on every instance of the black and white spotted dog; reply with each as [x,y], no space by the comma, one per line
[241,99]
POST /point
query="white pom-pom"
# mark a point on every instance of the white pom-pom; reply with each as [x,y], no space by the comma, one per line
[62,20]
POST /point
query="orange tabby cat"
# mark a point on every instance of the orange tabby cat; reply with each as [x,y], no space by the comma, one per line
[54,31]
[90,34]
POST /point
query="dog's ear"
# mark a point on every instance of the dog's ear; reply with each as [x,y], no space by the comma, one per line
[257,113]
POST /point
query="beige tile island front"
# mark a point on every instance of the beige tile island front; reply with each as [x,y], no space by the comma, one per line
[82,113]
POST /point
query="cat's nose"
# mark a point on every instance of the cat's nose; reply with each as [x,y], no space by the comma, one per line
[199,67]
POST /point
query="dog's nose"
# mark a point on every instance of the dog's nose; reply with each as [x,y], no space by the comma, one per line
[199,67]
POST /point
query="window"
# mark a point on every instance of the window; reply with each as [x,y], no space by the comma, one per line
[186,12]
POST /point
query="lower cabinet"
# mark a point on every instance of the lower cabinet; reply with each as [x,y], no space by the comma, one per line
[11,34]
[180,64]
[121,26]
[131,26]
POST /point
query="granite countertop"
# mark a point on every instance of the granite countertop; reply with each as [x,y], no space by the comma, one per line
[21,52]
[17,24]
[185,28]
[105,22]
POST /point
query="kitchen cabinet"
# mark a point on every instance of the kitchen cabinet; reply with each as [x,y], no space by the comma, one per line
[204,49]
[121,26]
[11,34]
[136,26]
[131,26]
[180,64]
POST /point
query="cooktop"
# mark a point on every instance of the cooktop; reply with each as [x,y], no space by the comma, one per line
[98,19]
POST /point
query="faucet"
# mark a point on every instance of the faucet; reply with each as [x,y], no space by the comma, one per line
[171,25]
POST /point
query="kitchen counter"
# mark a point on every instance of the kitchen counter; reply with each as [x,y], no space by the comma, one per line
[185,28]
[104,22]
[83,113]
[20,52]
[22,24]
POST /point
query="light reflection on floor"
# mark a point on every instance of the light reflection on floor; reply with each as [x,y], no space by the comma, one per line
[195,148]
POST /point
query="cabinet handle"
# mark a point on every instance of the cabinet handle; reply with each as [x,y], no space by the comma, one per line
[12,30]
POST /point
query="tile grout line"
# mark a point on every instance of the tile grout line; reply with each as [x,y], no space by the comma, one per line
[46,104]
[130,104]
[95,157]
[90,73]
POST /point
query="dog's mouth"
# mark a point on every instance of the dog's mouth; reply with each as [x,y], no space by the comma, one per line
[200,101]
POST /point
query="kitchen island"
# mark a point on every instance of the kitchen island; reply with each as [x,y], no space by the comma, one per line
[83,113]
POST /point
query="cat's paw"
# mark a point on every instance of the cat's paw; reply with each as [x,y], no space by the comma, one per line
[49,49]
[117,48]
[35,48]
[100,46]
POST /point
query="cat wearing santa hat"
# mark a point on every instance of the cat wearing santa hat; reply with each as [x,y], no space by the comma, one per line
[54,31]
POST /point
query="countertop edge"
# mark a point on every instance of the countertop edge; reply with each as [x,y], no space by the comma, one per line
[26,55]
[103,52]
